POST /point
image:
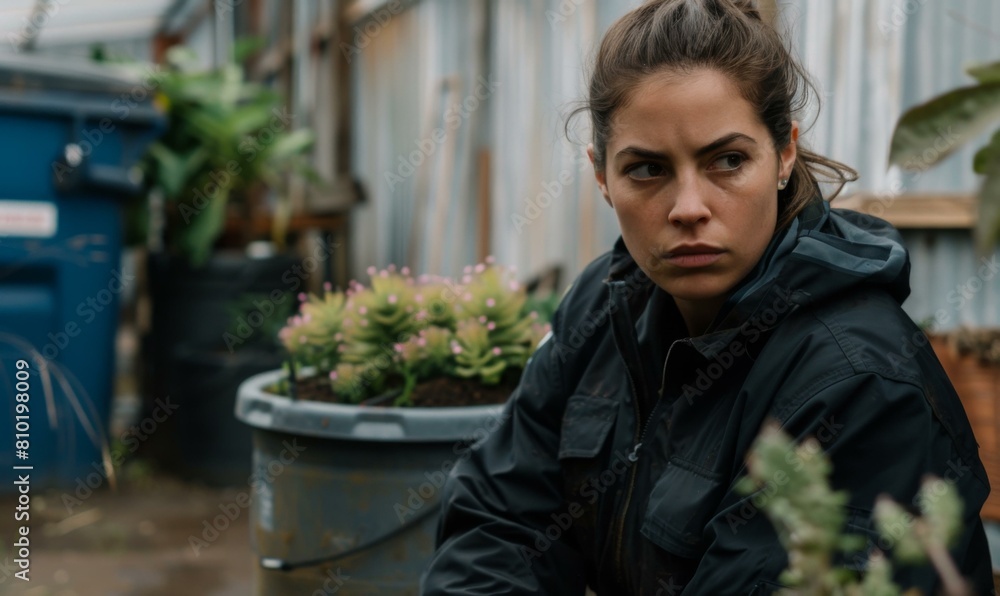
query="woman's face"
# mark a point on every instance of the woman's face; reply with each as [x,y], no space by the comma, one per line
[692,174]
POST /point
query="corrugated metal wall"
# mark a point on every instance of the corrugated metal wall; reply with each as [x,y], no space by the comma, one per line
[546,206]
[421,109]
[405,81]
[871,59]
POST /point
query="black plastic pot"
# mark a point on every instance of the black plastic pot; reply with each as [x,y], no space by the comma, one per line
[209,445]
[195,356]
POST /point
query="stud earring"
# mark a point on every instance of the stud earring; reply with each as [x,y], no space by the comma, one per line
[782,183]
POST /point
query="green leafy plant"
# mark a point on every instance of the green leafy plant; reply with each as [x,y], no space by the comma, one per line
[226,138]
[790,483]
[400,331]
[929,132]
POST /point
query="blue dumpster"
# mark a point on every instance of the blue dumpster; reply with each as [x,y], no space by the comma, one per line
[72,136]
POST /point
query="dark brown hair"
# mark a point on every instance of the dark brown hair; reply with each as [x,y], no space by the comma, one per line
[725,35]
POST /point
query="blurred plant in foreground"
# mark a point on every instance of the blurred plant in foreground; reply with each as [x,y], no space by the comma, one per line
[809,518]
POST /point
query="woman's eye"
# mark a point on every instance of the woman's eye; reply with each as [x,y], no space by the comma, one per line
[729,162]
[644,171]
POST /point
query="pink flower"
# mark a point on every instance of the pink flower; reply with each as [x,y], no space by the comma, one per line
[302,339]
[405,270]
[333,375]
[341,348]
[467,297]
[362,310]
[534,314]
[490,260]
[419,297]
[307,317]
[383,273]
[303,297]
[480,268]
[364,322]
[482,318]
[467,269]
[466,279]
[456,349]
[422,342]
[338,337]
[392,299]
[327,286]
[398,347]
[392,266]
[372,271]
[496,351]
[514,286]
[491,325]
[491,302]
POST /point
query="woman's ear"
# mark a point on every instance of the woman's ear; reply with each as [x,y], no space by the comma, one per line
[789,153]
[602,181]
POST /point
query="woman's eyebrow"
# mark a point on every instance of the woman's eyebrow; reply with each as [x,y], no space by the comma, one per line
[632,150]
[723,141]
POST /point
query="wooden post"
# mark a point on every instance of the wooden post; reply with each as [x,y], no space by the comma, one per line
[483,244]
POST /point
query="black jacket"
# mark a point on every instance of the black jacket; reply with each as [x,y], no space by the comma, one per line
[617,473]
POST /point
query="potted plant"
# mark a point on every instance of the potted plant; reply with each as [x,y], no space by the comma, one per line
[970,357]
[386,388]
[229,141]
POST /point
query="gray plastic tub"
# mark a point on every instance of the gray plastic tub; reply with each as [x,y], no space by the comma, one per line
[345,499]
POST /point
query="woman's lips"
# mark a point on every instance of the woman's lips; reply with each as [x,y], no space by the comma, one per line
[693,255]
[688,260]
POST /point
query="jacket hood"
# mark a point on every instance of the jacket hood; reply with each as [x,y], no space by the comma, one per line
[823,253]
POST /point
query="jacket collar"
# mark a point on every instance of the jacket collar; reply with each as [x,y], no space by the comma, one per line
[820,254]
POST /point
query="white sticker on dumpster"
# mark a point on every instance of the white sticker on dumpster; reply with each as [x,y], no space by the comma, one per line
[28,219]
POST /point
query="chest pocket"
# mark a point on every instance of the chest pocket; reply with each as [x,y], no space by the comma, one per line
[681,504]
[586,424]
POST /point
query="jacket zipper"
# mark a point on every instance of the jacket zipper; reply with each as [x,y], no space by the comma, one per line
[633,458]
[641,428]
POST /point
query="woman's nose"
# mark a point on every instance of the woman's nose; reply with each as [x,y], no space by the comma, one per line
[688,206]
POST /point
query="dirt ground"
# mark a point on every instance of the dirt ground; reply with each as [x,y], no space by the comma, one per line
[133,542]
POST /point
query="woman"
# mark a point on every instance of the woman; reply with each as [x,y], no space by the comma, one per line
[735,295]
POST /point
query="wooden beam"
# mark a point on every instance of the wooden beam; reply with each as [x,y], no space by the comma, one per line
[916,211]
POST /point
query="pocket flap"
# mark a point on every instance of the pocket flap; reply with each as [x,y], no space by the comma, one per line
[586,423]
[680,506]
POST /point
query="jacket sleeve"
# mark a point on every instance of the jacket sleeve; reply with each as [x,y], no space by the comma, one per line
[882,437]
[502,495]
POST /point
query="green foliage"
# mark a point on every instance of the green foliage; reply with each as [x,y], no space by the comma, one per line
[495,332]
[545,305]
[928,133]
[400,331]
[313,336]
[379,317]
[428,353]
[791,485]
[245,307]
[476,356]
[351,381]
[226,136]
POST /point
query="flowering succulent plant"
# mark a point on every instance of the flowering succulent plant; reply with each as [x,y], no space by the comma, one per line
[401,330]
